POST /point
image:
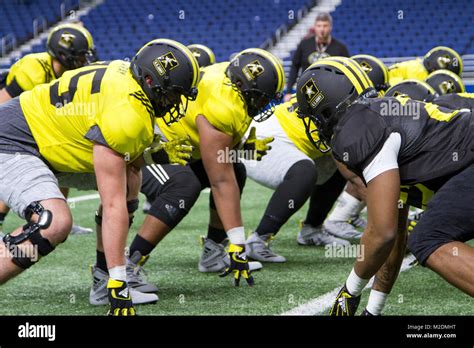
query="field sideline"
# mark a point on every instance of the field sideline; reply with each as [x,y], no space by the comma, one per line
[59,284]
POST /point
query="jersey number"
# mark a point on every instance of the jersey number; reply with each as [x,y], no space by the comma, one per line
[66,97]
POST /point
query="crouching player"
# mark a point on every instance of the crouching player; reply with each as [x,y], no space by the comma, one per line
[50,129]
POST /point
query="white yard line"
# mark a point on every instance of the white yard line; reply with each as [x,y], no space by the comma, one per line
[83,198]
[320,304]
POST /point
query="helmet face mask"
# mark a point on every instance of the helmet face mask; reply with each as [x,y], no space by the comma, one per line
[168,73]
[260,78]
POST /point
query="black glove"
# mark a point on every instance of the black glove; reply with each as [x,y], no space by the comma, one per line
[239,265]
[120,299]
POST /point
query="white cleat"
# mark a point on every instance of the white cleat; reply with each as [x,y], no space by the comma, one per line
[136,275]
[258,248]
[318,236]
[76,229]
[98,294]
[345,229]
[214,257]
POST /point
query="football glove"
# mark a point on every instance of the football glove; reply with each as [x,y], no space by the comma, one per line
[256,147]
[176,151]
[239,265]
[345,304]
[120,299]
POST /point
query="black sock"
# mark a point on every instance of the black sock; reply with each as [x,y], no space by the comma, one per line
[268,224]
[100,261]
[216,234]
[323,198]
[142,245]
[288,197]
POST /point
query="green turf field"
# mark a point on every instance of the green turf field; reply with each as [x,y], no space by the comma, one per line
[59,284]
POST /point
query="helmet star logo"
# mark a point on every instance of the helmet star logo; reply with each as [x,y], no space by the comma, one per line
[253,69]
[66,40]
[309,91]
[165,63]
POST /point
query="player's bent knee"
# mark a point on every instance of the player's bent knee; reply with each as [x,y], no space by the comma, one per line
[23,254]
[423,244]
[175,201]
[304,172]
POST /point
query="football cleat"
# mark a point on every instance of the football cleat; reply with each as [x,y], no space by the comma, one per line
[76,229]
[258,248]
[98,295]
[343,229]
[136,275]
[366,313]
[214,257]
[345,304]
[318,236]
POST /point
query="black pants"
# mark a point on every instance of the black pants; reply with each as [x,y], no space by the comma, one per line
[449,216]
[172,190]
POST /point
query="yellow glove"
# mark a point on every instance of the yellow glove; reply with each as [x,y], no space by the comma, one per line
[176,151]
[256,147]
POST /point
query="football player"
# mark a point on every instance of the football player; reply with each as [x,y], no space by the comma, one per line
[294,168]
[385,152]
[204,55]
[375,69]
[440,57]
[414,89]
[69,46]
[231,95]
[445,82]
[110,108]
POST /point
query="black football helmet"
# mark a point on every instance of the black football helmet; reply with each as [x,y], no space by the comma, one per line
[324,92]
[167,71]
[204,55]
[259,76]
[442,57]
[413,89]
[72,45]
[444,82]
[375,69]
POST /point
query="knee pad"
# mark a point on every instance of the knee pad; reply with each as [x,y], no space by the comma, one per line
[176,199]
[31,232]
[132,207]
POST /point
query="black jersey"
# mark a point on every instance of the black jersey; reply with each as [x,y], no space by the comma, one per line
[456,101]
[436,142]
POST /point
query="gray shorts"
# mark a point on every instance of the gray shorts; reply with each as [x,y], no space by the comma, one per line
[25,179]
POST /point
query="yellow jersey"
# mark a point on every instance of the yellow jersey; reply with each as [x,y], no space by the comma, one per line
[219,102]
[411,69]
[295,128]
[28,72]
[105,96]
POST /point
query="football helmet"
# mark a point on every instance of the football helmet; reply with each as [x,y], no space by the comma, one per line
[444,82]
[260,77]
[324,91]
[72,45]
[203,55]
[375,69]
[413,89]
[443,57]
[166,70]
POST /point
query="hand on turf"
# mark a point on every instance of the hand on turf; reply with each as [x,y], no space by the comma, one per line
[120,299]
[176,151]
[239,265]
[256,147]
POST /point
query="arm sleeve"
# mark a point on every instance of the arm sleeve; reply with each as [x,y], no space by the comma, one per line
[386,158]
[295,67]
